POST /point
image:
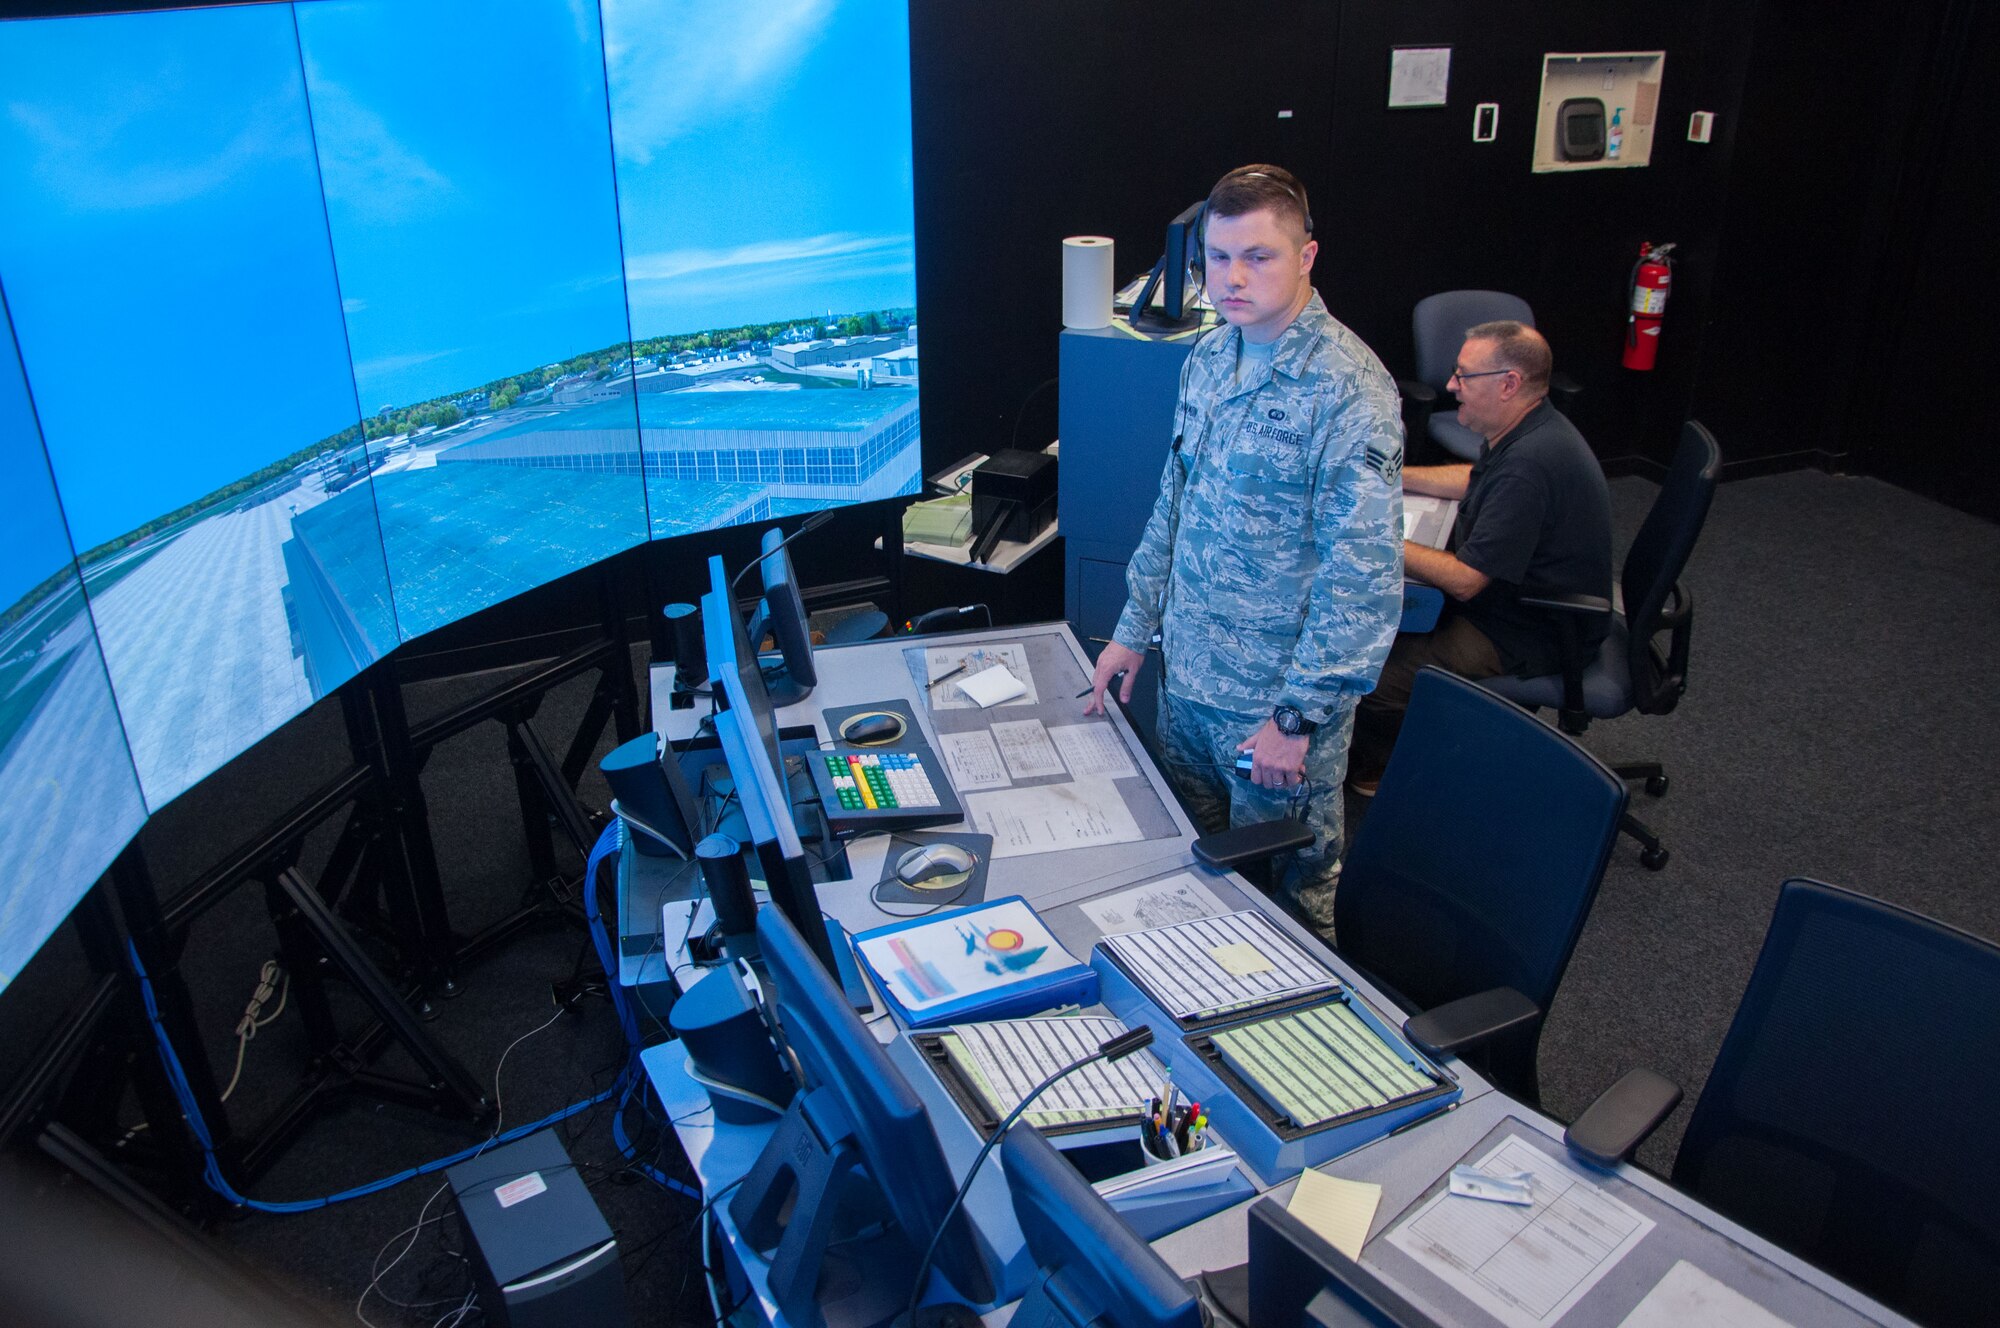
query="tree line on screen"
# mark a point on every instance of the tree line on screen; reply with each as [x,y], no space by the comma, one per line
[443,411]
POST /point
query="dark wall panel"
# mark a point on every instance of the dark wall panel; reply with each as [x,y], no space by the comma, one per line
[1034,122]
[1821,147]
[1417,207]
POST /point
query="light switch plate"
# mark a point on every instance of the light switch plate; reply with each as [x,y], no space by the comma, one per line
[1486,122]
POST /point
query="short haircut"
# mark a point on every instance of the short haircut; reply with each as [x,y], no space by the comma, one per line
[1250,188]
[1518,347]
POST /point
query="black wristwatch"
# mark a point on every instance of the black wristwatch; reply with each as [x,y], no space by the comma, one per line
[1291,722]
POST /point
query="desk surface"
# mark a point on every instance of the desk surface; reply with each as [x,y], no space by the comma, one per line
[1408,1165]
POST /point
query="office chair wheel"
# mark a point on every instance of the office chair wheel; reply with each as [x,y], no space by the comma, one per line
[1652,859]
[1657,786]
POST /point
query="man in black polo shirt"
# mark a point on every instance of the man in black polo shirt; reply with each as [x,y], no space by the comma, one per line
[1533,514]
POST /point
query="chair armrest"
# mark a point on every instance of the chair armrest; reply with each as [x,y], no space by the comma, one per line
[1251,843]
[1470,1020]
[1622,1117]
[1593,604]
[1563,391]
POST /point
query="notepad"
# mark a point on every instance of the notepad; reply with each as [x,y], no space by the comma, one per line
[1339,1211]
[1319,1064]
[1213,966]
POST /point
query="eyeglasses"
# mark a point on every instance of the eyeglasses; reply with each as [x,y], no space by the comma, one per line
[1461,375]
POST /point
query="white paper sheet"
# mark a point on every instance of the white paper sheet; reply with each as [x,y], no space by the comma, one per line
[1025,747]
[1688,1295]
[1049,817]
[1093,749]
[1178,898]
[1419,75]
[973,761]
[940,660]
[1524,1266]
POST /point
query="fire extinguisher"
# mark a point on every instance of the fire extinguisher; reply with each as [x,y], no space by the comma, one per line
[1646,305]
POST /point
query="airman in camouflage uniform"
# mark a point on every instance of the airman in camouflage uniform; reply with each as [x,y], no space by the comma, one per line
[1272,565]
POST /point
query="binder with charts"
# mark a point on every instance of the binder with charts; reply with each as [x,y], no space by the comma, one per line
[1212,968]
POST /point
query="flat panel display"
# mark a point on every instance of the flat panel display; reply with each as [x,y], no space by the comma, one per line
[764,184]
[70,797]
[174,301]
[475,230]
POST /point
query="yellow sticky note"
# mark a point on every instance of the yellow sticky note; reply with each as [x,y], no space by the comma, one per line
[1339,1211]
[1241,959]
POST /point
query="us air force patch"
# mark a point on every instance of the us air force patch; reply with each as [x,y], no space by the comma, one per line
[1387,461]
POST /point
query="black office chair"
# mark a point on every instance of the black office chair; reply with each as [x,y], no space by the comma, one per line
[1469,881]
[1438,325]
[1850,1114]
[1631,670]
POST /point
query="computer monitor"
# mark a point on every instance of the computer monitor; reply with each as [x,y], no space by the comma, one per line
[747,725]
[1091,1267]
[785,616]
[855,1154]
[1298,1279]
[1173,277]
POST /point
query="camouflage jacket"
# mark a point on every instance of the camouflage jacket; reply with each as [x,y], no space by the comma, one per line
[1272,565]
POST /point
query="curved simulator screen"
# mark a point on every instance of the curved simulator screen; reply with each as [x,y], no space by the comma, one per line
[319,351]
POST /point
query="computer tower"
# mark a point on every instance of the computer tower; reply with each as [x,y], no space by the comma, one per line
[541,1252]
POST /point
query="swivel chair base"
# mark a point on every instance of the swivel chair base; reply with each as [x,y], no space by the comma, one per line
[1650,776]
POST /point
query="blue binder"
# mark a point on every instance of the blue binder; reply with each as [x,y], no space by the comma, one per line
[995,960]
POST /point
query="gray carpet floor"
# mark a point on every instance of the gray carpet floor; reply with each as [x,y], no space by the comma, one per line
[1839,724]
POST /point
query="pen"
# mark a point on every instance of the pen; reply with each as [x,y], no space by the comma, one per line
[951,674]
[1093,687]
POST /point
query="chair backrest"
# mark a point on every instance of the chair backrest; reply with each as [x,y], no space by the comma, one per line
[1439,322]
[1650,581]
[1850,1114]
[1478,860]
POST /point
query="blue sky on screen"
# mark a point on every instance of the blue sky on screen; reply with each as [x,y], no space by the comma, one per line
[468,181]
[33,540]
[171,285]
[763,158]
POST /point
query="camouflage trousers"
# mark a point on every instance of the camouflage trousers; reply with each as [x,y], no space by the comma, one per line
[1197,748]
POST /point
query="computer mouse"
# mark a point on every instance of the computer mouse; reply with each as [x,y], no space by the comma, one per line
[876,728]
[935,864]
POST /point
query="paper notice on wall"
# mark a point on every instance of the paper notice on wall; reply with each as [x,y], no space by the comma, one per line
[1051,817]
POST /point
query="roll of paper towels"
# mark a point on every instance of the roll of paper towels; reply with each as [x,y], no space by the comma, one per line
[1087,281]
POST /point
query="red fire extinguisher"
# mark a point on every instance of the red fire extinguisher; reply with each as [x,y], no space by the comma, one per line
[1651,277]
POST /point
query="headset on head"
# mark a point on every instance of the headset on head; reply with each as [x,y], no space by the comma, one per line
[1201,222]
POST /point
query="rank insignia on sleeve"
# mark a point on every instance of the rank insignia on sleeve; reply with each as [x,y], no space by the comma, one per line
[1387,462]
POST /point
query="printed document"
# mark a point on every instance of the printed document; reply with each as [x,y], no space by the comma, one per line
[1025,747]
[1688,1295]
[1050,817]
[972,760]
[946,666]
[1524,1266]
[1093,749]
[1178,898]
